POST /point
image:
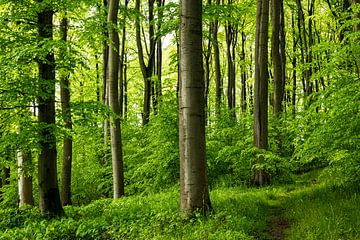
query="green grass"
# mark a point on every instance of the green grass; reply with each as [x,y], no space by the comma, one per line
[315,211]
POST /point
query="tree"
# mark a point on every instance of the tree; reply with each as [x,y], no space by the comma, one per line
[25,178]
[49,196]
[261,83]
[218,80]
[146,69]
[115,130]
[194,193]
[277,50]
[66,112]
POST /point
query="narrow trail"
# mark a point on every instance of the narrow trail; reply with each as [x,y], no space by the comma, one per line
[277,223]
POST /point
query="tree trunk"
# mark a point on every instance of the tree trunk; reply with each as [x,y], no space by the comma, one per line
[243,72]
[194,193]
[218,81]
[105,92]
[115,131]
[25,178]
[146,70]
[66,112]
[5,178]
[279,85]
[261,84]
[231,35]
[294,64]
[49,196]
[121,67]
[158,71]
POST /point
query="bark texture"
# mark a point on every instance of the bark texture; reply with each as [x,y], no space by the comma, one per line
[66,112]
[261,76]
[25,178]
[115,130]
[49,196]
[194,194]
[261,85]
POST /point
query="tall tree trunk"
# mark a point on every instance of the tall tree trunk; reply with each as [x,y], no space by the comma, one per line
[105,92]
[25,179]
[207,58]
[66,112]
[115,130]
[194,193]
[279,82]
[146,70]
[158,70]
[243,72]
[231,37]
[49,196]
[294,64]
[121,67]
[261,83]
[218,81]
[125,90]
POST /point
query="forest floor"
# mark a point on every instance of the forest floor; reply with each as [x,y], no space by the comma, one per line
[306,208]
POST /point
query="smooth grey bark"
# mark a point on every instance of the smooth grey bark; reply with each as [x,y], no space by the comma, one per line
[115,130]
[261,84]
[49,196]
[66,112]
[25,188]
[194,193]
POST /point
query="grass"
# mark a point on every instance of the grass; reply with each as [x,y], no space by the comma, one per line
[313,210]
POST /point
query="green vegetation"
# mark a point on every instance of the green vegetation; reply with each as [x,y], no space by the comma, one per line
[102,123]
[313,210]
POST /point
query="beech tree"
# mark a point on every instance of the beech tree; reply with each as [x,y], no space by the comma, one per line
[115,130]
[194,193]
[66,112]
[25,179]
[261,83]
[49,196]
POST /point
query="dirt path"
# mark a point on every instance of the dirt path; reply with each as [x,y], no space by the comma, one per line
[277,223]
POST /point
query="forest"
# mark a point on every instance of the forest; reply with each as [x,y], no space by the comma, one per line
[189,119]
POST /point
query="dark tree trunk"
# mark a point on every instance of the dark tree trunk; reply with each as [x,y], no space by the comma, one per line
[147,70]
[218,81]
[279,82]
[49,196]
[294,64]
[243,73]
[231,38]
[66,112]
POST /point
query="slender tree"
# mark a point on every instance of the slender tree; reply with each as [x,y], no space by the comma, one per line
[25,179]
[261,83]
[66,112]
[217,68]
[276,49]
[115,130]
[194,193]
[49,196]
[146,69]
